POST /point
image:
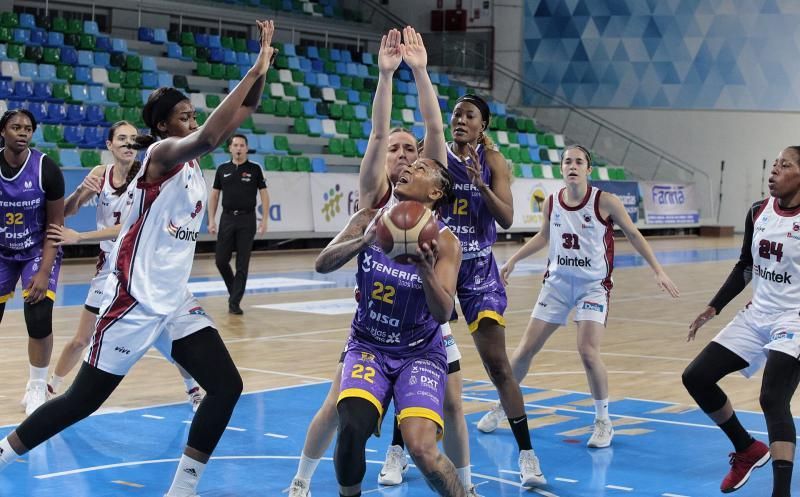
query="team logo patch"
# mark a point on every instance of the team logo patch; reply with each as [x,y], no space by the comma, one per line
[782,336]
[449,341]
[587,218]
[593,306]
[198,311]
[367,357]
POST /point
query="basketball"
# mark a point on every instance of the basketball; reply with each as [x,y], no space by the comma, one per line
[403,228]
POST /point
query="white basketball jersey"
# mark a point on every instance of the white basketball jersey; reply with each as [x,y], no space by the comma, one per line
[112,209]
[776,259]
[153,257]
[581,242]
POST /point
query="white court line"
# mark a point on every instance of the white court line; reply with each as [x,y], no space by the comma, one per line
[673,495]
[233,428]
[275,435]
[617,487]
[565,480]
[254,370]
[151,416]
[515,484]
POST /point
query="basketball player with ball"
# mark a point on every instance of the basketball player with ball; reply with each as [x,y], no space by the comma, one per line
[408,265]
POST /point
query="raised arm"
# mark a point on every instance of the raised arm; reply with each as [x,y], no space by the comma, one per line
[349,242]
[373,181]
[91,185]
[416,56]
[497,196]
[613,205]
[234,109]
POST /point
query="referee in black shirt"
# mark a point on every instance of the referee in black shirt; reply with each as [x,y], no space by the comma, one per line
[239,180]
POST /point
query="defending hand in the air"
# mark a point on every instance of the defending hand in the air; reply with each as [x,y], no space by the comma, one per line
[389,55]
[704,317]
[475,169]
[666,284]
[413,50]
[267,53]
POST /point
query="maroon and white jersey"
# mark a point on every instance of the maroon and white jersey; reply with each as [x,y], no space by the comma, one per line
[776,259]
[153,257]
[112,209]
[581,241]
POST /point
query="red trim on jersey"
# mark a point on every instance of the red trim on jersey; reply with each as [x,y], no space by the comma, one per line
[122,303]
[783,212]
[607,221]
[577,207]
[385,199]
[172,172]
[110,178]
[608,242]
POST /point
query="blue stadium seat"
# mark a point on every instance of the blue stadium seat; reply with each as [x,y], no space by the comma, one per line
[149,64]
[42,90]
[312,52]
[346,56]
[305,64]
[361,112]
[289,50]
[522,139]
[363,72]
[352,69]
[361,146]
[317,65]
[366,58]
[6,88]
[90,28]
[149,80]
[402,86]
[3,52]
[294,63]
[144,94]
[253,46]
[434,77]
[242,58]
[69,56]
[403,75]
[165,79]
[336,55]
[266,144]
[55,39]
[73,134]
[311,79]
[318,165]
[29,70]
[314,127]
[310,109]
[303,93]
[38,109]
[103,44]
[94,137]
[38,37]
[23,90]
[411,102]
[322,79]
[94,114]
[97,94]
[38,136]
[76,114]
[102,59]
[79,92]
[353,97]
[85,58]
[70,157]
[82,74]
[341,68]
[214,41]
[220,158]
[174,51]
[27,21]
[418,131]
[366,127]
[145,34]
[118,45]
[228,56]
[22,36]
[159,36]
[334,81]
[56,113]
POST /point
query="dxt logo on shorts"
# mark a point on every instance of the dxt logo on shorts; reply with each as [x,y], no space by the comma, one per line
[593,306]
[429,382]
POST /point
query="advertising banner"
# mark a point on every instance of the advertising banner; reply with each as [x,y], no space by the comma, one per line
[669,203]
[334,198]
[529,196]
[627,191]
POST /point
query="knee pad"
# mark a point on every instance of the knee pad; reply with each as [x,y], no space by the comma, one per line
[357,420]
[39,318]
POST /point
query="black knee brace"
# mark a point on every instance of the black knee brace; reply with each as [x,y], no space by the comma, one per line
[701,376]
[39,318]
[781,376]
[357,420]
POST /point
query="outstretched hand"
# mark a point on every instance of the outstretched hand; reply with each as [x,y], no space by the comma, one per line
[475,168]
[414,53]
[267,53]
[389,55]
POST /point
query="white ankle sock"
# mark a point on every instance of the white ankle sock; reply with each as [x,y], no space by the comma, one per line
[465,477]
[190,384]
[186,477]
[56,381]
[38,373]
[7,454]
[306,467]
[601,409]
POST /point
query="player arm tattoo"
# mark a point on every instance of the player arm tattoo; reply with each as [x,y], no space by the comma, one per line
[349,242]
[444,479]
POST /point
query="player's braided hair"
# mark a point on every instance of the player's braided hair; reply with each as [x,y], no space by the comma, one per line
[136,164]
[11,113]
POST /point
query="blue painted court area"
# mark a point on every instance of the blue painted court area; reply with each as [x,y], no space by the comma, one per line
[74,294]
[660,449]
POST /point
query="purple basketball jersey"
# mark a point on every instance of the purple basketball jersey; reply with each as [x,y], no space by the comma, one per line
[23,207]
[468,217]
[392,312]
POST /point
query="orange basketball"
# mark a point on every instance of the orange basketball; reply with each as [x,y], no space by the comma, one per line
[403,228]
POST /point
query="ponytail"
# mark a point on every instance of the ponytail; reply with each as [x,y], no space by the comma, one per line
[141,142]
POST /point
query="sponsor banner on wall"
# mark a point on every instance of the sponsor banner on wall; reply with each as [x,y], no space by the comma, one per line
[627,191]
[529,196]
[289,209]
[85,219]
[669,203]
[334,198]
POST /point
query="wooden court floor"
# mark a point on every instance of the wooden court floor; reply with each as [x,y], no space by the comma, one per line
[644,348]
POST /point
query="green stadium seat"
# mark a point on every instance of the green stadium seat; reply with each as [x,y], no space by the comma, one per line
[133,63]
[53,133]
[281,108]
[61,91]
[272,163]
[212,101]
[187,39]
[295,108]
[356,130]
[74,26]
[112,114]
[300,126]
[53,153]
[303,164]
[350,148]
[203,69]
[240,44]
[227,42]
[65,72]
[232,72]
[133,79]
[87,42]
[115,76]
[516,170]
[217,71]
[201,117]
[288,164]
[336,146]
[336,111]
[15,51]
[9,20]
[207,162]
[90,158]
[268,106]
[59,25]
[537,171]
[132,98]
